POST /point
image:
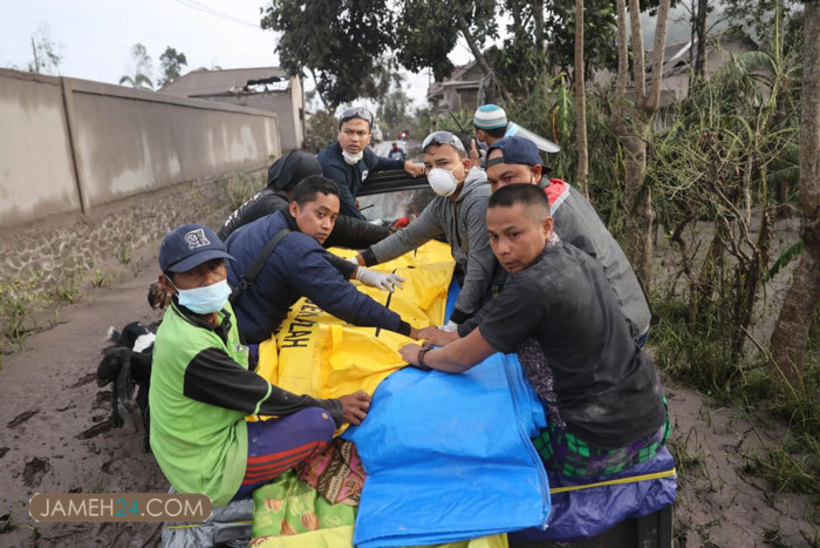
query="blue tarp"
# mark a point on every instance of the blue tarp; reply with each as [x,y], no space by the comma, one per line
[448,457]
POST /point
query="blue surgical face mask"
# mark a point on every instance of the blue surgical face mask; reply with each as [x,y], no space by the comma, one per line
[205,300]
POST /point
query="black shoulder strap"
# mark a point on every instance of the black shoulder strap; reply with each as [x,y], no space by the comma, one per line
[253,271]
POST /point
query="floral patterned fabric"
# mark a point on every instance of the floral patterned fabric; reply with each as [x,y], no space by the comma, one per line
[288,506]
[336,473]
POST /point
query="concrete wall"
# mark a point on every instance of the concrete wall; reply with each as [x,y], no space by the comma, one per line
[298,106]
[69,145]
[57,259]
[36,166]
[286,104]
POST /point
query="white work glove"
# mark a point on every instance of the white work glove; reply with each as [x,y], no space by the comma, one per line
[354,259]
[449,327]
[382,280]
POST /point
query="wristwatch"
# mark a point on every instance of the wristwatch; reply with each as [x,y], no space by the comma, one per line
[424,350]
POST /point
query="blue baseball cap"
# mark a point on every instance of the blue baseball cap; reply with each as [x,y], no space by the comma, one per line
[188,246]
[514,150]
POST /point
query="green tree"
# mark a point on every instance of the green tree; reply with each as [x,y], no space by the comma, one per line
[321,131]
[343,44]
[171,62]
[340,43]
[46,54]
[428,30]
[715,163]
[600,35]
[540,39]
[142,70]
[756,17]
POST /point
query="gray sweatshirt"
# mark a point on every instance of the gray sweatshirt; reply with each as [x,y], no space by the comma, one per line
[464,225]
[577,223]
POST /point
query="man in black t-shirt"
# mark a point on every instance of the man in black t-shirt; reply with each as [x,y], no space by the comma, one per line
[559,313]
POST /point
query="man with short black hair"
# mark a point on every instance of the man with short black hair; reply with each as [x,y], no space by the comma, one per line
[299,266]
[348,161]
[457,213]
[606,409]
[202,389]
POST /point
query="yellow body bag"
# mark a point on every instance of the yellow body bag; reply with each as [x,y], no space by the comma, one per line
[318,354]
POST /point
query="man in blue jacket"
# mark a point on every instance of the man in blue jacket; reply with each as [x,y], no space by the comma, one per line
[348,161]
[299,266]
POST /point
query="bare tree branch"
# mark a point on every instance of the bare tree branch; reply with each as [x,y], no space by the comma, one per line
[638,64]
[653,100]
[623,69]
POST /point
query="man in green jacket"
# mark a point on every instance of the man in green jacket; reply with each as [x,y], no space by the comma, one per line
[202,390]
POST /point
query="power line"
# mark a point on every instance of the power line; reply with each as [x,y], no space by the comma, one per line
[216,13]
[211,11]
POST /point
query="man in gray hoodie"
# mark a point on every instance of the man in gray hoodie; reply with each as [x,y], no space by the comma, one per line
[458,213]
[514,160]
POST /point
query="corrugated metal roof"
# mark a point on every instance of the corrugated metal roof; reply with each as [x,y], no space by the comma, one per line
[203,82]
[676,56]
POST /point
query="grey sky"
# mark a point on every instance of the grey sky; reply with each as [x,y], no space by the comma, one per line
[95,36]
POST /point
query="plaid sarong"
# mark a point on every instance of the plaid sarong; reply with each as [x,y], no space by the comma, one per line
[569,455]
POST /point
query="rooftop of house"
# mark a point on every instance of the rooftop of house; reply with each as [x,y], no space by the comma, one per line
[676,56]
[459,78]
[202,82]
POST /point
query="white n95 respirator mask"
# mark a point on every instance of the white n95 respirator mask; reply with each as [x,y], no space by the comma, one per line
[352,159]
[443,182]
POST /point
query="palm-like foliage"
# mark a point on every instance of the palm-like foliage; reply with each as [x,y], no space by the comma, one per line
[142,63]
[138,81]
